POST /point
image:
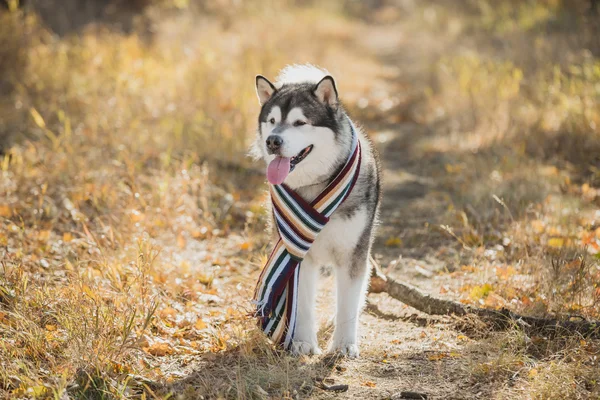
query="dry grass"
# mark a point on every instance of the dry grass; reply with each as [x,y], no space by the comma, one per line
[132,223]
[107,180]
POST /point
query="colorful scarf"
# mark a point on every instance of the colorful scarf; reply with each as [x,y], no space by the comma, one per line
[298,224]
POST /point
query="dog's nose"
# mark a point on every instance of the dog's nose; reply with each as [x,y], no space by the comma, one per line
[274,143]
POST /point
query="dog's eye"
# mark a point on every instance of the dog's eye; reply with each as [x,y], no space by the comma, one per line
[272,120]
[299,123]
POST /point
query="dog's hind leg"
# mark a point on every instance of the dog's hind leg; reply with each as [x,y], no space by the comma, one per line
[350,291]
[305,336]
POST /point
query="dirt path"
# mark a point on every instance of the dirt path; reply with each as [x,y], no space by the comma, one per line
[401,349]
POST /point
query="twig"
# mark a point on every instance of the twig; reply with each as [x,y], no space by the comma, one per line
[332,388]
[500,319]
[413,395]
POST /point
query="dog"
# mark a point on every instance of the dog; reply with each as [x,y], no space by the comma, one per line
[303,123]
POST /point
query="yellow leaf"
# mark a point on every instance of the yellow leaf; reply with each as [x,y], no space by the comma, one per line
[181,241]
[37,391]
[585,188]
[437,357]
[168,312]
[549,170]
[137,216]
[44,235]
[369,384]
[88,291]
[494,301]
[5,211]
[533,373]
[245,246]
[393,242]
[200,324]
[160,349]
[479,292]
[37,118]
[556,242]
[504,273]
[50,327]
[538,226]
[67,237]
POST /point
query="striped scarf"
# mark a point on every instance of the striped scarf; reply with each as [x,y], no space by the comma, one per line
[298,224]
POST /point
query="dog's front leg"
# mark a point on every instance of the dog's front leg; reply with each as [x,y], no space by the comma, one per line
[305,336]
[351,287]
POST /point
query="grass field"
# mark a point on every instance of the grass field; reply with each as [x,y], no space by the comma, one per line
[132,224]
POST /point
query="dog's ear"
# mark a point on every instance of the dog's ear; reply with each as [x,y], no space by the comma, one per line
[326,92]
[264,89]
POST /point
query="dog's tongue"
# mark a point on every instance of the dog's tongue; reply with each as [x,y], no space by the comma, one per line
[277,170]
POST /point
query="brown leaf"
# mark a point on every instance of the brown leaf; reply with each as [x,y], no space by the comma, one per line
[168,312]
[181,242]
[200,324]
[5,211]
[160,349]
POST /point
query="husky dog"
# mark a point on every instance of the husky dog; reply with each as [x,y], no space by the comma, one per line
[302,124]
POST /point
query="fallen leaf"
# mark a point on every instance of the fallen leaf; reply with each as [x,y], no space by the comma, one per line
[556,242]
[369,384]
[160,349]
[39,121]
[168,312]
[393,242]
[538,226]
[5,211]
[437,357]
[479,292]
[200,324]
[136,216]
[533,373]
[181,241]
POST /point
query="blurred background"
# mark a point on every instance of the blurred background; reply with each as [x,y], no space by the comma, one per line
[130,209]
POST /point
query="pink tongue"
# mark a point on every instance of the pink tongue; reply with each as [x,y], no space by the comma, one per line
[277,170]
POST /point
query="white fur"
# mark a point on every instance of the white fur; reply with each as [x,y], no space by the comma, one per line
[299,74]
[334,246]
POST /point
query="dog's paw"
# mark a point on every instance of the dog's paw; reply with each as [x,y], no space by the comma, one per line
[305,348]
[349,350]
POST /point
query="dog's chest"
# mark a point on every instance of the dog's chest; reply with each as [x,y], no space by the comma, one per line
[336,243]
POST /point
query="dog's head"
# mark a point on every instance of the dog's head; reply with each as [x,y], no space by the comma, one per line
[299,132]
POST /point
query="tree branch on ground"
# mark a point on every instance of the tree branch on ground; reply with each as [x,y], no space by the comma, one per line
[498,319]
